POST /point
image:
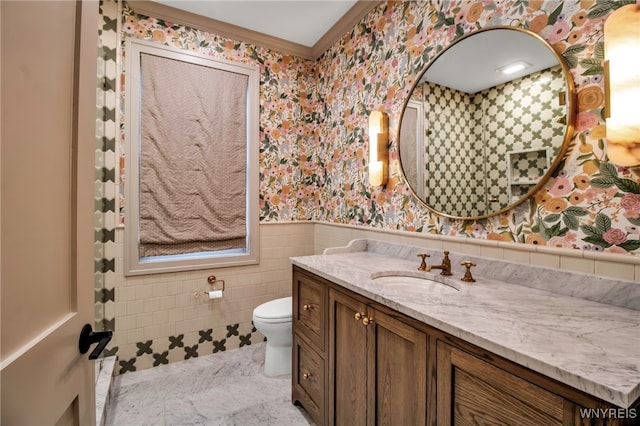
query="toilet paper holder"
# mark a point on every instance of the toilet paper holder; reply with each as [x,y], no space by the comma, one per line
[212,280]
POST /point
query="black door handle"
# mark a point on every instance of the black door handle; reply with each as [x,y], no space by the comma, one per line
[88,337]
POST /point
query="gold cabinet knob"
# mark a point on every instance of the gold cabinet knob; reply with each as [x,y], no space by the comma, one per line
[306,376]
[358,316]
[306,307]
[367,320]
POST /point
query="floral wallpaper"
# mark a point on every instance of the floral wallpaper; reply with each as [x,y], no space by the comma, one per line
[590,204]
[314,117]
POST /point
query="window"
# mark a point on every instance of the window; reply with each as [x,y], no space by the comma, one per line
[191,174]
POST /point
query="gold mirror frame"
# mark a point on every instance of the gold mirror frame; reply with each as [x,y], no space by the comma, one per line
[570,118]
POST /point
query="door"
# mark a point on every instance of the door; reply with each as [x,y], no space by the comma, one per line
[412,147]
[377,365]
[472,391]
[48,113]
[347,361]
[397,383]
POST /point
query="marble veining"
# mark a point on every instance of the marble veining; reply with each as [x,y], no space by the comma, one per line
[625,294]
[228,388]
[588,345]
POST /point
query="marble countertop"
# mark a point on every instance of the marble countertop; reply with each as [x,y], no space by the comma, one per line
[591,346]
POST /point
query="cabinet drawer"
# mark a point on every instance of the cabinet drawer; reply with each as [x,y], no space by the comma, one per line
[309,309]
[309,379]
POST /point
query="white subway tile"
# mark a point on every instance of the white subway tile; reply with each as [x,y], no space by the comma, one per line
[615,270]
[151,305]
[135,307]
[144,320]
[577,264]
[545,260]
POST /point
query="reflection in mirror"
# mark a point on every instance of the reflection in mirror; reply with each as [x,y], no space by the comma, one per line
[475,139]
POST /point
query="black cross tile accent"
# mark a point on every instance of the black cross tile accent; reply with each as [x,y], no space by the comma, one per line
[106,324]
[108,84]
[219,345]
[191,352]
[109,53]
[105,205]
[232,330]
[245,340]
[176,341]
[110,351]
[106,175]
[129,365]
[105,235]
[108,144]
[105,295]
[109,114]
[205,335]
[106,265]
[109,24]
[159,359]
[144,348]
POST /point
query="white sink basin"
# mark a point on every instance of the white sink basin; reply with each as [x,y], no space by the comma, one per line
[416,279]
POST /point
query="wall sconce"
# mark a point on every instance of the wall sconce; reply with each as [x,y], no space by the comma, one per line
[378,148]
[622,85]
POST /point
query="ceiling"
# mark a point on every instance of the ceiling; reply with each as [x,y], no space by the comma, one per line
[303,22]
[473,63]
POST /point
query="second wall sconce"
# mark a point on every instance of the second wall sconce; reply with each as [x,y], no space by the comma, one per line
[378,148]
[622,85]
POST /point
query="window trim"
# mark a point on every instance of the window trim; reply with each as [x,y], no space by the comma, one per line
[133,265]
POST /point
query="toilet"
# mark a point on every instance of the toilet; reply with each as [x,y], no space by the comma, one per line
[273,320]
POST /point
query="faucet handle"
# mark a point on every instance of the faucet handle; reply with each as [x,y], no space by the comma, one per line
[423,264]
[446,264]
[467,275]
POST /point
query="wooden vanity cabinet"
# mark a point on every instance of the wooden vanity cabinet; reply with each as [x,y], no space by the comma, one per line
[377,366]
[356,362]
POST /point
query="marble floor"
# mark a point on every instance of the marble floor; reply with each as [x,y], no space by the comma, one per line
[227,388]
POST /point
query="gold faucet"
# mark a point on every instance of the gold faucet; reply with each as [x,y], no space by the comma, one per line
[445,266]
[423,264]
[467,275]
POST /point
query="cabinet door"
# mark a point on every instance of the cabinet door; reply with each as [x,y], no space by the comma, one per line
[472,391]
[397,376]
[347,361]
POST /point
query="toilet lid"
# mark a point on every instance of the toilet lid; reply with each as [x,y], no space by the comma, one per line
[274,309]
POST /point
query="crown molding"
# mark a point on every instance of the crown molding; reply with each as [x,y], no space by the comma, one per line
[344,25]
[235,32]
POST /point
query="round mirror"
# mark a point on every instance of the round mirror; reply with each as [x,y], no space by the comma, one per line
[487,123]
